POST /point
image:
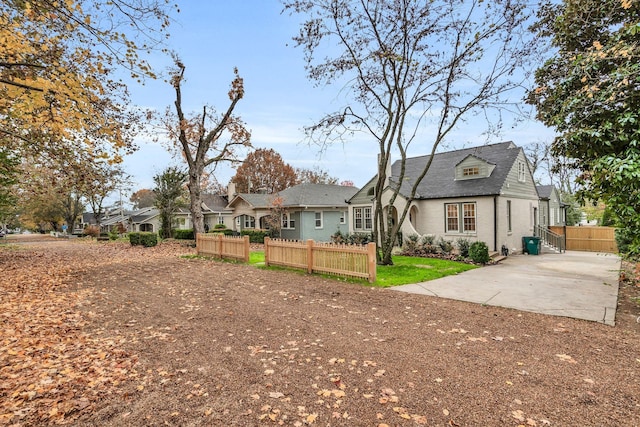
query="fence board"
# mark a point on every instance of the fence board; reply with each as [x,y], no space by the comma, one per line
[342,260]
[589,239]
[221,246]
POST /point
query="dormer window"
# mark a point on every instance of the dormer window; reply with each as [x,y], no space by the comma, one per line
[471,171]
[473,167]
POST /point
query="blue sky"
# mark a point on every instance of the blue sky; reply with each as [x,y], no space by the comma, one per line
[212,37]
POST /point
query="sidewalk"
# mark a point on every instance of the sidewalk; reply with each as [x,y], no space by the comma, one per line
[581,285]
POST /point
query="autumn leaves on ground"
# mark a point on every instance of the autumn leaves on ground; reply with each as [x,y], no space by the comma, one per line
[109,334]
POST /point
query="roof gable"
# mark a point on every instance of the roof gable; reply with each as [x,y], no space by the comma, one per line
[440,181]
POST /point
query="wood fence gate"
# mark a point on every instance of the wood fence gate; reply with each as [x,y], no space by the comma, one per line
[588,238]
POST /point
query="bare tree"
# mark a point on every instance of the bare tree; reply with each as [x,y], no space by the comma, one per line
[405,63]
[201,138]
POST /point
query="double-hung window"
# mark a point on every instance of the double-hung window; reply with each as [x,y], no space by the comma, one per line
[460,217]
[318,219]
[362,219]
[288,221]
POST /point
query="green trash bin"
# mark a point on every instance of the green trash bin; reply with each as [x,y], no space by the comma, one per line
[531,245]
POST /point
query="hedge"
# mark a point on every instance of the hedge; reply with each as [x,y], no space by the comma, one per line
[183,234]
[145,239]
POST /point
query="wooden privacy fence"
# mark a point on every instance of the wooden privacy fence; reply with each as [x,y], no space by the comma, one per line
[328,258]
[590,239]
[221,246]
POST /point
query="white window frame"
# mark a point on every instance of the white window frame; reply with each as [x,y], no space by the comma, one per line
[470,171]
[343,217]
[357,218]
[288,223]
[447,217]
[368,224]
[319,219]
[463,226]
[249,221]
[362,218]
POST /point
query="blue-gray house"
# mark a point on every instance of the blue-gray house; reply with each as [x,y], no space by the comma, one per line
[305,211]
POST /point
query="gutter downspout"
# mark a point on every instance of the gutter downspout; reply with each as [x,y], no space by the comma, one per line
[495,223]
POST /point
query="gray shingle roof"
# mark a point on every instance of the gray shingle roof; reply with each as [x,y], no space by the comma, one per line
[215,202]
[544,191]
[317,195]
[440,182]
[256,200]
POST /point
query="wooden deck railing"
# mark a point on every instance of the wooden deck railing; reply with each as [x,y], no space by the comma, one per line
[221,246]
[341,260]
[552,239]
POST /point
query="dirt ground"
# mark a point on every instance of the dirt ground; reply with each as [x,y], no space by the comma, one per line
[105,334]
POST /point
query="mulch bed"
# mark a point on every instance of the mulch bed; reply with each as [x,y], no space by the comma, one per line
[105,334]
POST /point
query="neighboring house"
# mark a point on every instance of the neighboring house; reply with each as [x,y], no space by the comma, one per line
[214,208]
[305,211]
[551,210]
[148,219]
[145,220]
[250,210]
[483,193]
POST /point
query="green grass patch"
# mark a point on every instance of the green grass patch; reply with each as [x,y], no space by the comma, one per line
[256,258]
[405,270]
[408,270]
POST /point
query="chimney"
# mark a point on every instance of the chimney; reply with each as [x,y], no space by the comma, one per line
[231,190]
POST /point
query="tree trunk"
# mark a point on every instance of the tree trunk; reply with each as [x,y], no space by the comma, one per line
[195,193]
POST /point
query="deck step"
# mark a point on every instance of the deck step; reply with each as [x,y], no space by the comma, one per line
[498,258]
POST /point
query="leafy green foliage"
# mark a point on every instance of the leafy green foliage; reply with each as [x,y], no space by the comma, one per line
[351,238]
[183,234]
[170,196]
[589,92]
[479,252]
[145,239]
[463,246]
[255,236]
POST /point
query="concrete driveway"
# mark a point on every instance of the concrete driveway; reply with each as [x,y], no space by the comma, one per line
[582,285]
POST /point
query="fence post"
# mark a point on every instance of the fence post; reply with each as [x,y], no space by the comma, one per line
[247,248]
[218,246]
[310,256]
[198,243]
[266,250]
[371,255]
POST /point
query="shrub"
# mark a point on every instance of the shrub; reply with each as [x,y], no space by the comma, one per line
[148,239]
[113,235]
[92,231]
[145,239]
[256,236]
[219,227]
[479,252]
[446,246]
[183,234]
[351,239]
[628,243]
[411,244]
[463,247]
[134,238]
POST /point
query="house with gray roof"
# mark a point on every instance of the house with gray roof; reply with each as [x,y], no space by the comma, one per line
[552,211]
[305,211]
[484,193]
